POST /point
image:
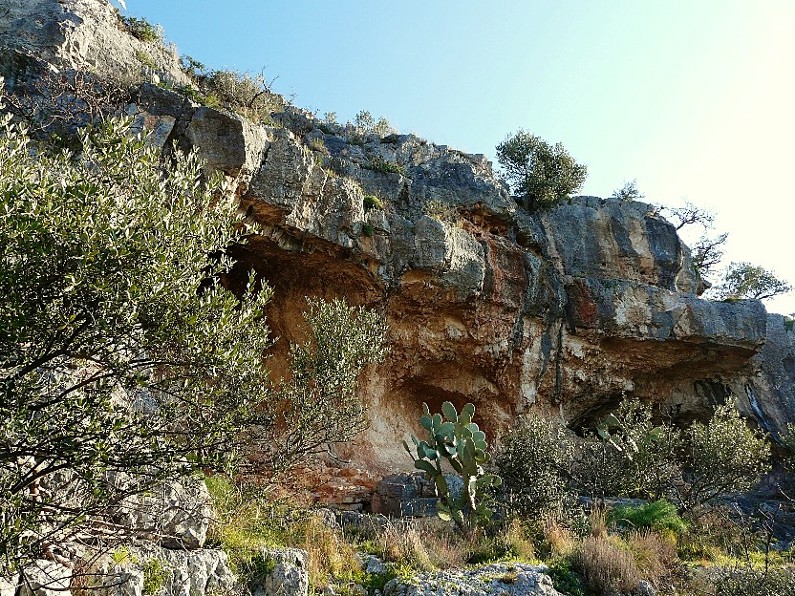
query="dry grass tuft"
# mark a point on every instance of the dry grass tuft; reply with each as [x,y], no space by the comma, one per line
[560,539]
[606,565]
[655,555]
[330,556]
[424,544]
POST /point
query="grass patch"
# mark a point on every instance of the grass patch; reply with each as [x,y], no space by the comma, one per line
[248,522]
[155,574]
[659,515]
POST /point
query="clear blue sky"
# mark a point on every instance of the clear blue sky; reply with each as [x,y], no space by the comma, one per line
[693,98]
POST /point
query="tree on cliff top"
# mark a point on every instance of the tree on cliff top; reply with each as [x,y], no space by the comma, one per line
[539,173]
[744,280]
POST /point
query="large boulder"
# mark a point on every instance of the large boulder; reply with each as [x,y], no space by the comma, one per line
[9,585]
[148,569]
[498,579]
[289,576]
[174,513]
[45,578]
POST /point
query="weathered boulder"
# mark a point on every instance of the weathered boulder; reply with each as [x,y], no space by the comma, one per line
[45,578]
[133,571]
[9,585]
[289,576]
[175,514]
[499,579]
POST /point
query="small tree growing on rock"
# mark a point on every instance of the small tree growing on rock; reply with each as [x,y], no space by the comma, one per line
[744,281]
[538,172]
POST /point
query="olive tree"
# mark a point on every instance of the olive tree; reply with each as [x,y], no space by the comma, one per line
[628,455]
[538,172]
[723,456]
[120,354]
[318,404]
[534,462]
[744,280]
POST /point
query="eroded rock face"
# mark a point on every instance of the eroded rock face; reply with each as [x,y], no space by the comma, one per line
[289,575]
[170,573]
[564,312]
[174,514]
[85,35]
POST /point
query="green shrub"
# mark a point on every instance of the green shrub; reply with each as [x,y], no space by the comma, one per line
[628,455]
[722,456]
[368,230]
[318,145]
[372,202]
[126,306]
[155,575]
[364,125]
[143,29]
[378,164]
[742,281]
[534,462]
[565,579]
[247,95]
[145,59]
[659,515]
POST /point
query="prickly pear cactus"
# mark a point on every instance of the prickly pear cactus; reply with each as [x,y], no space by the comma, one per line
[454,438]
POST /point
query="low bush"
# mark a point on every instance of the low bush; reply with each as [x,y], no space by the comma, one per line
[565,579]
[534,462]
[143,29]
[372,202]
[628,455]
[722,456]
[606,565]
[658,515]
[247,95]
[379,164]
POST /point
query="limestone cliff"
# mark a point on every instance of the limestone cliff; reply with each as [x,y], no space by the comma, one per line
[564,311]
